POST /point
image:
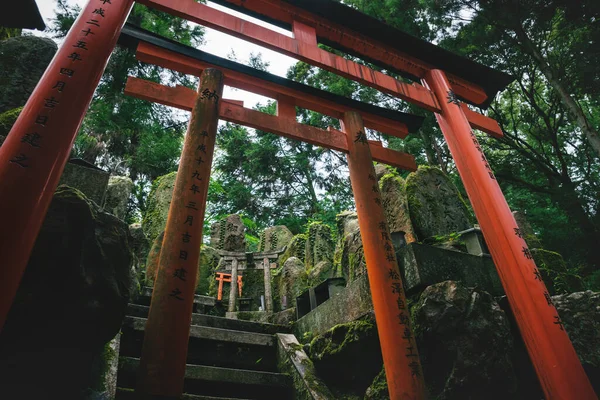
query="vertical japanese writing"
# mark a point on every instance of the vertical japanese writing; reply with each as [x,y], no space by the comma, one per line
[35,140]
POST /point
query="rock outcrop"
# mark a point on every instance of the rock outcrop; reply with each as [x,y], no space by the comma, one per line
[70,304]
[395,206]
[435,205]
[23,60]
[291,281]
[275,238]
[465,343]
[117,196]
[157,206]
[229,234]
[319,245]
[349,258]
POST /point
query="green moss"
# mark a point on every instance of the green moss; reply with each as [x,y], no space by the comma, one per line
[100,367]
[7,120]
[157,208]
[351,332]
[296,248]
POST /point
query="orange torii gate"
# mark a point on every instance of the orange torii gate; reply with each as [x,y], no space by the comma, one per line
[36,150]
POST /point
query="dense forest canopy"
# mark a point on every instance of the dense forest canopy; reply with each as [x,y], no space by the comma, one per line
[547,163]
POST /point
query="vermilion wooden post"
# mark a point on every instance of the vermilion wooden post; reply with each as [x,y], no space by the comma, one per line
[556,363]
[162,366]
[38,146]
[400,357]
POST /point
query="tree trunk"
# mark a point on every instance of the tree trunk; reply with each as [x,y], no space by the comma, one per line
[570,104]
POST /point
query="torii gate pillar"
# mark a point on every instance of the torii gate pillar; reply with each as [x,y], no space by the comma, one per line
[37,148]
[558,368]
[398,346]
[164,352]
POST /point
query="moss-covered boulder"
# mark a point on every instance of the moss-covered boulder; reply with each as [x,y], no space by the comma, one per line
[207,265]
[558,278]
[229,234]
[7,120]
[153,258]
[275,238]
[382,170]
[465,343]
[23,60]
[157,205]
[321,272]
[296,248]
[87,178]
[347,357]
[291,281]
[580,314]
[378,389]
[395,205]
[140,246]
[349,258]
[319,245]
[118,192]
[435,205]
[70,303]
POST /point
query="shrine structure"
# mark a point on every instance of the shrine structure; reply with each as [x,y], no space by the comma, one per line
[36,150]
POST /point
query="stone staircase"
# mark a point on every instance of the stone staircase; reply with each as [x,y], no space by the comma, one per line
[227,359]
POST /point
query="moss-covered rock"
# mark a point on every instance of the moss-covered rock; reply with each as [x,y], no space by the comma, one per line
[274,238]
[557,277]
[378,389]
[207,265]
[465,343]
[229,234]
[349,258]
[7,120]
[319,245]
[580,314]
[435,205]
[395,205]
[70,303]
[140,246]
[291,281]
[118,191]
[153,258]
[23,60]
[296,248]
[347,356]
[157,206]
[87,178]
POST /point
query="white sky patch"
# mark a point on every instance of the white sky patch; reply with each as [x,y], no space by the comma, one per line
[216,43]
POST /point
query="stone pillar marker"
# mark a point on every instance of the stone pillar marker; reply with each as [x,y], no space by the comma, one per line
[37,148]
[559,370]
[398,347]
[268,290]
[164,352]
[233,290]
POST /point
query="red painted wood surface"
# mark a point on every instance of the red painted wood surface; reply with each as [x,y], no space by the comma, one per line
[556,363]
[367,47]
[164,351]
[183,98]
[303,47]
[38,146]
[165,58]
[398,346]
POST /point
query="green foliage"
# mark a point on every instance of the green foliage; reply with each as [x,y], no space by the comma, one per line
[7,120]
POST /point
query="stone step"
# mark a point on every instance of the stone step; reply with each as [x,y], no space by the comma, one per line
[224,382]
[137,310]
[215,334]
[129,394]
[201,303]
[211,346]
